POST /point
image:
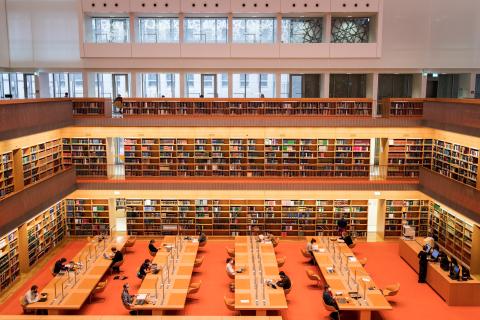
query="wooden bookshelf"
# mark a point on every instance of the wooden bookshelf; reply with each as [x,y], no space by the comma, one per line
[412,212]
[88,107]
[241,217]
[42,233]
[88,155]
[41,161]
[456,162]
[9,259]
[405,156]
[310,107]
[6,174]
[403,107]
[252,157]
[455,235]
[87,217]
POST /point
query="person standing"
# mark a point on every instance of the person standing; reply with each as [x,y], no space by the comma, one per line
[423,263]
[342,225]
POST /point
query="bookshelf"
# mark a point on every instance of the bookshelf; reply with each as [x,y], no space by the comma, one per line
[87,217]
[252,157]
[88,155]
[403,107]
[412,212]
[455,235]
[9,259]
[42,233]
[405,156]
[240,217]
[83,107]
[41,161]
[6,174]
[318,107]
[456,162]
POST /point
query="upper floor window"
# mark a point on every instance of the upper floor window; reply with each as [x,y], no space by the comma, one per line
[105,30]
[158,30]
[254,30]
[62,83]
[350,30]
[302,30]
[206,30]
[156,85]
[18,85]
[253,85]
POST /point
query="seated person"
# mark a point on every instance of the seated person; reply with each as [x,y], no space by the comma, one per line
[31,296]
[202,237]
[342,225]
[117,257]
[230,268]
[261,237]
[312,246]
[329,300]
[346,237]
[59,266]
[151,246]
[284,281]
[127,298]
[144,269]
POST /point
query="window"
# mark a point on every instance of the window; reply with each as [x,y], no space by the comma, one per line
[253,85]
[158,30]
[350,30]
[206,30]
[253,30]
[14,83]
[348,85]
[64,82]
[302,30]
[105,30]
[156,85]
[225,80]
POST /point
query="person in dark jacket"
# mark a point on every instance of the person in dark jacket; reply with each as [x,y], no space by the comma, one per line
[423,263]
[144,269]
[151,246]
[117,257]
[284,281]
[329,300]
[342,225]
[59,266]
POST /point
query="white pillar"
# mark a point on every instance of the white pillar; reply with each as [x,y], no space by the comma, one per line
[327,33]
[278,84]
[43,85]
[230,84]
[182,84]
[133,85]
[325,89]
[419,85]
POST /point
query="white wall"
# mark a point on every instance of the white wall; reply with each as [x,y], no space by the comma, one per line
[4,52]
[426,34]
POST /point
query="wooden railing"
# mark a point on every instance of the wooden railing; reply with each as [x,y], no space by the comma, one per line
[90,106]
[402,107]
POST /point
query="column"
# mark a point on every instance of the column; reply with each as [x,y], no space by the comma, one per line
[372,92]
[133,85]
[182,83]
[230,29]
[43,85]
[325,89]
[419,85]
[230,84]
[327,31]
[278,84]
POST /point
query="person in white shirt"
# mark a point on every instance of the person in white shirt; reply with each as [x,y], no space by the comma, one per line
[230,268]
[312,246]
[31,296]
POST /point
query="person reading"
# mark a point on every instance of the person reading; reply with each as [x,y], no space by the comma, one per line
[202,237]
[59,266]
[144,269]
[312,246]
[346,238]
[127,298]
[342,225]
[284,281]
[329,300]
[151,246]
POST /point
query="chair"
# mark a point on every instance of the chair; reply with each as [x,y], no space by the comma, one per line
[363,261]
[330,308]
[281,261]
[305,253]
[230,303]
[230,252]
[129,308]
[130,243]
[99,288]
[275,242]
[198,262]
[314,277]
[116,265]
[230,276]
[202,244]
[391,290]
[353,245]
[287,291]
[22,303]
[194,287]
[153,254]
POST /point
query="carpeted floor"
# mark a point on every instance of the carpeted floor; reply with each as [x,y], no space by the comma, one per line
[414,301]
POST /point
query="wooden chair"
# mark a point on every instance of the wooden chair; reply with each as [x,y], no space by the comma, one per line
[129,308]
[363,261]
[22,303]
[230,252]
[202,244]
[314,277]
[281,261]
[287,291]
[330,309]
[99,288]
[116,264]
[305,253]
[353,245]
[153,254]
[130,243]
[194,287]
[229,303]
[198,261]
[391,290]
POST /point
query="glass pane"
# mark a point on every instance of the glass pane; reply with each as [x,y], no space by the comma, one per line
[296,81]
[206,30]
[284,85]
[208,85]
[302,30]
[192,85]
[29,85]
[158,30]
[267,85]
[350,30]
[222,85]
[110,30]
[121,85]
[252,30]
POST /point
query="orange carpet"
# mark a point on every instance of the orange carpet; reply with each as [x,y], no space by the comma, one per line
[414,301]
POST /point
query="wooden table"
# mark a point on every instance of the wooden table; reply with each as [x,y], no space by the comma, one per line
[35,317]
[176,291]
[339,280]
[75,294]
[455,293]
[246,297]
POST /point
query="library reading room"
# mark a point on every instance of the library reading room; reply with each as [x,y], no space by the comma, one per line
[239,159]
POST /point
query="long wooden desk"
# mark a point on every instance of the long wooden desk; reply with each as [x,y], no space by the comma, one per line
[74,294]
[27,317]
[251,293]
[342,281]
[174,295]
[455,293]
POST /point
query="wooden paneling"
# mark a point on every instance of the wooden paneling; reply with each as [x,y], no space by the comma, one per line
[456,115]
[22,206]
